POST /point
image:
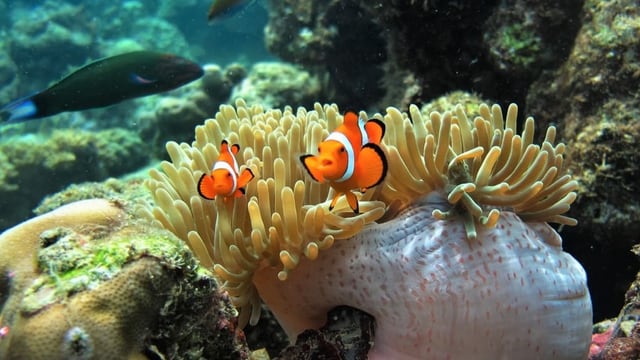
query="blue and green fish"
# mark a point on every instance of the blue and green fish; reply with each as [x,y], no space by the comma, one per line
[106,82]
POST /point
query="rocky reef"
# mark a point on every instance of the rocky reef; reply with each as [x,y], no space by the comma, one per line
[593,99]
[91,280]
[276,85]
[573,64]
[36,166]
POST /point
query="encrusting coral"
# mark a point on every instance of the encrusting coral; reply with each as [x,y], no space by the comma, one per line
[440,248]
[90,281]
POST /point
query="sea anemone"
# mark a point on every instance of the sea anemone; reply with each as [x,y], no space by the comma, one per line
[454,204]
[284,215]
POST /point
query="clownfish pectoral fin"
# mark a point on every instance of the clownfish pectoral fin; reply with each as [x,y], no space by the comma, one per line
[334,201]
[310,163]
[372,166]
[239,193]
[245,176]
[375,130]
[206,187]
[353,201]
[235,148]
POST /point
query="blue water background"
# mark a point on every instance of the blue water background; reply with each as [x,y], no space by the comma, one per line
[81,31]
[43,41]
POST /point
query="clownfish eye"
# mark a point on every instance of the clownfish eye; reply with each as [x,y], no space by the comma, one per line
[228,174]
[342,149]
[318,148]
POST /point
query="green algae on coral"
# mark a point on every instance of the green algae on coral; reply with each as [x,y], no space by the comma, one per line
[106,282]
[70,262]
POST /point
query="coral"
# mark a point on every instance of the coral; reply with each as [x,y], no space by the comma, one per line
[330,39]
[47,38]
[311,30]
[464,204]
[161,35]
[276,84]
[8,76]
[105,286]
[523,37]
[37,166]
[348,334]
[132,23]
[492,47]
[593,99]
[619,338]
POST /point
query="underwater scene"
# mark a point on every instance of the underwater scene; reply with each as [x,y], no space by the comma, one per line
[319,179]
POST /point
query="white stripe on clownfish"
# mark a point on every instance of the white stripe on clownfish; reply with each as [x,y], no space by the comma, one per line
[363,131]
[348,146]
[351,156]
[233,171]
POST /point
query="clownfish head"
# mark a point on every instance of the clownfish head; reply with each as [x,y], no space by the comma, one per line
[224,179]
[333,159]
[339,152]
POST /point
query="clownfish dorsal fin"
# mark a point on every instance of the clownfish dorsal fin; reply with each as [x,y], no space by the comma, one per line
[353,128]
[227,154]
[224,147]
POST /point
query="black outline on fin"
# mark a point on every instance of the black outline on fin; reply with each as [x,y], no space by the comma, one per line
[385,165]
[200,191]
[302,157]
[382,125]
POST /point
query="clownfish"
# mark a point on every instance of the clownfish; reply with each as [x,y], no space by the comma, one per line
[225,179]
[350,158]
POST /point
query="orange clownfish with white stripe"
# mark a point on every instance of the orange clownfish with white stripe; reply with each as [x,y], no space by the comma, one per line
[350,158]
[225,179]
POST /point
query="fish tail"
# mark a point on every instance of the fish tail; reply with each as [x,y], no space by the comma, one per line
[19,110]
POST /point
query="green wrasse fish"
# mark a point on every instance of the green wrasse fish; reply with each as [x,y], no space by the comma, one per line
[225,8]
[106,82]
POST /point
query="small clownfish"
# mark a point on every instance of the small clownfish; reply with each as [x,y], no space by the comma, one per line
[225,179]
[350,158]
